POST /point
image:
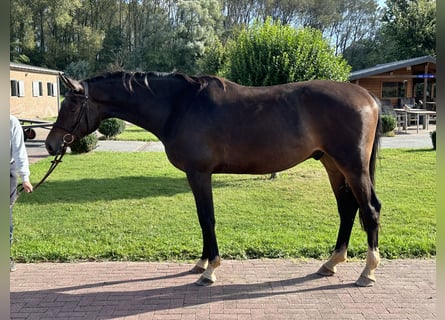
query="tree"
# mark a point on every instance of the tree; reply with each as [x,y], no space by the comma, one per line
[21,31]
[153,50]
[271,53]
[167,34]
[355,20]
[196,22]
[213,60]
[318,14]
[61,33]
[79,70]
[409,28]
[365,53]
[284,10]
[238,13]
[113,55]
[172,34]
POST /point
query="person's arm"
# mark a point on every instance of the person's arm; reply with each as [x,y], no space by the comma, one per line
[19,154]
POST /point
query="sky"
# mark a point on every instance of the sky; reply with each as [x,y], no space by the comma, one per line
[381,3]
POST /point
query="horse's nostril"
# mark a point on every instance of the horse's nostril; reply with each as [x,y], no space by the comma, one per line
[49,148]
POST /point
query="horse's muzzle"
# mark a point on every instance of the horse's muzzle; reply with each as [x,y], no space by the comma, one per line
[51,150]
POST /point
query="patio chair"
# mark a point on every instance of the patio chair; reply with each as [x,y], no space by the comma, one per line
[409,103]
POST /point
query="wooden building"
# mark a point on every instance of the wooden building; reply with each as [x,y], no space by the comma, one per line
[394,82]
[34,91]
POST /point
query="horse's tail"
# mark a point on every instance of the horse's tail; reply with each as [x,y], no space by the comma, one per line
[376,144]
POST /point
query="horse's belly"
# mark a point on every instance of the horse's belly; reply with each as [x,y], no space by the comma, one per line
[260,161]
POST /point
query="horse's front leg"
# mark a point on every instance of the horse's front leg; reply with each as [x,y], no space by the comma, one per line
[201,185]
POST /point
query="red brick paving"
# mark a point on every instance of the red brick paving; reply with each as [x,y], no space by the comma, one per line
[245,289]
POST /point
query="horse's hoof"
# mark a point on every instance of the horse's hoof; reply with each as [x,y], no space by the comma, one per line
[323,271]
[197,270]
[364,282]
[204,282]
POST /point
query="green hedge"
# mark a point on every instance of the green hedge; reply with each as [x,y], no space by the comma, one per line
[111,127]
[84,145]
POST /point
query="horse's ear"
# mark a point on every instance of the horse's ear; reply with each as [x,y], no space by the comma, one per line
[71,83]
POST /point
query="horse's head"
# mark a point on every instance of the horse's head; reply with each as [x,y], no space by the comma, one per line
[75,119]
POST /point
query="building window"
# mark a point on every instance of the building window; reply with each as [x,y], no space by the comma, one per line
[393,90]
[14,88]
[37,89]
[17,88]
[51,88]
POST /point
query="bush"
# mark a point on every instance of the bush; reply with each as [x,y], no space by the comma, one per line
[388,123]
[271,53]
[84,145]
[433,139]
[213,60]
[111,127]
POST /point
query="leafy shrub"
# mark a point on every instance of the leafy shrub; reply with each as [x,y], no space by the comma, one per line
[271,53]
[433,139]
[84,145]
[213,60]
[388,123]
[111,127]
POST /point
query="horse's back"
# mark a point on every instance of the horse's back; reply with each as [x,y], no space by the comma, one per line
[301,113]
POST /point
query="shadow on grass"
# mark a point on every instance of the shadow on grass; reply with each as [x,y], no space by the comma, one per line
[131,187]
[420,150]
[85,190]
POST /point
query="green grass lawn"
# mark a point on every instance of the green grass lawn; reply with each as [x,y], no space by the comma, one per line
[137,206]
[135,133]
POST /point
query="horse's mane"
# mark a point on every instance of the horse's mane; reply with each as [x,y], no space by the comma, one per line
[143,79]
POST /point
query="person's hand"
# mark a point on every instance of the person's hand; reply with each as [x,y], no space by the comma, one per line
[27,186]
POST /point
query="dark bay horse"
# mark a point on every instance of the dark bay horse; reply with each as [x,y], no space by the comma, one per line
[211,125]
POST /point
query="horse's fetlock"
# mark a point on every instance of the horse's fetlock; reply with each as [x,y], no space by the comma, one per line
[216,262]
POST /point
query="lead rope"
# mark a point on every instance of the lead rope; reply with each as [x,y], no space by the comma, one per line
[54,163]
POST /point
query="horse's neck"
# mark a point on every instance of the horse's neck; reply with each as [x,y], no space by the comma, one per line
[143,110]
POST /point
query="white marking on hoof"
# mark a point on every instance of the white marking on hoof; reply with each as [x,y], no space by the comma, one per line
[208,277]
[329,267]
[200,266]
[367,278]
[324,271]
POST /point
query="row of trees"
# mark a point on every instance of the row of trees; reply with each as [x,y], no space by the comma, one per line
[83,37]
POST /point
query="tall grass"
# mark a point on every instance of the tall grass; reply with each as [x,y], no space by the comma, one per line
[137,206]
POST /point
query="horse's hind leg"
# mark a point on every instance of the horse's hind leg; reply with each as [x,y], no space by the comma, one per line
[363,189]
[369,216]
[347,208]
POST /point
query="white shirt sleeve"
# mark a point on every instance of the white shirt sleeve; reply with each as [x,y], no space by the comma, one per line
[18,149]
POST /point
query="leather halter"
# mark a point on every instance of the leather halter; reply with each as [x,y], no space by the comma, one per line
[70,137]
